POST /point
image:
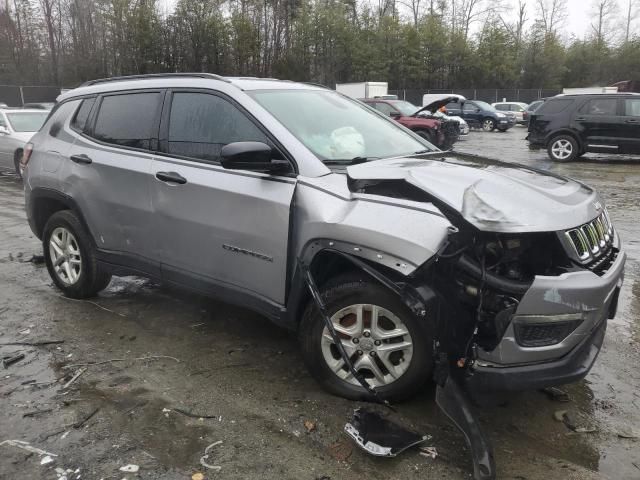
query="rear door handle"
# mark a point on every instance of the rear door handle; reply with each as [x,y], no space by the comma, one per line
[632,120]
[171,177]
[82,158]
[580,119]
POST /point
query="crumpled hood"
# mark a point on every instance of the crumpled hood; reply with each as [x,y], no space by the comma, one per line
[491,195]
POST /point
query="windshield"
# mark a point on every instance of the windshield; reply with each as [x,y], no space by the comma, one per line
[406,108]
[27,121]
[337,128]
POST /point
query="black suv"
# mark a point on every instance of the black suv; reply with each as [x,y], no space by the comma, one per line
[569,126]
[480,114]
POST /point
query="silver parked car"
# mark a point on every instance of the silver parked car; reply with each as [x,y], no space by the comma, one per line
[17,126]
[239,187]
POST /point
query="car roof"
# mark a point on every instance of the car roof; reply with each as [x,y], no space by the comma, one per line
[599,94]
[182,80]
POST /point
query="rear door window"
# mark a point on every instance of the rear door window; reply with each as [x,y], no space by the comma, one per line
[129,120]
[632,107]
[200,124]
[502,107]
[600,106]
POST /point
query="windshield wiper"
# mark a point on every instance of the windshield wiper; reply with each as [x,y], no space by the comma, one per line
[349,161]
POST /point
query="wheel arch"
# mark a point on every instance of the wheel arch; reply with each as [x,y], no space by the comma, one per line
[564,131]
[44,202]
[328,261]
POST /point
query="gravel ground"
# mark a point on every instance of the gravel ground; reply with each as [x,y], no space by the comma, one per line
[235,367]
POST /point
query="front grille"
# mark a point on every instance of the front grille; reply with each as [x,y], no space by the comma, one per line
[544,334]
[593,241]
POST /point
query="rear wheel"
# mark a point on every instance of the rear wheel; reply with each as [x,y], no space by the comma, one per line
[488,124]
[70,257]
[563,148]
[385,342]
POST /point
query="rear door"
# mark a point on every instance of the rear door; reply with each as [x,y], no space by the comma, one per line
[107,171]
[229,228]
[630,126]
[599,123]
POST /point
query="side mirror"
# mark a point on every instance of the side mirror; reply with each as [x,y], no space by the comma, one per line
[253,156]
[4,131]
[395,114]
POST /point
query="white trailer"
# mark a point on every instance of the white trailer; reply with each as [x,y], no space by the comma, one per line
[363,89]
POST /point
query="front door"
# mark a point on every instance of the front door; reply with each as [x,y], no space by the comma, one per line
[216,227]
[599,124]
[472,114]
[630,125]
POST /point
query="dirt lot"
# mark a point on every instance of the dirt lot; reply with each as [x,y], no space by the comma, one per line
[243,381]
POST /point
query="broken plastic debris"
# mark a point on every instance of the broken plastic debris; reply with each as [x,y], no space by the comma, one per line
[197,476]
[430,452]
[26,446]
[206,456]
[628,432]
[554,393]
[379,436]
[46,460]
[131,468]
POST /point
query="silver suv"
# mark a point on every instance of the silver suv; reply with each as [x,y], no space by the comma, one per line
[239,187]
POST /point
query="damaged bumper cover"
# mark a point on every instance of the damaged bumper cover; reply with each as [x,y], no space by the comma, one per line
[575,307]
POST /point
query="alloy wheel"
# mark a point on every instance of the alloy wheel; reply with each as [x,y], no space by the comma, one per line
[487,125]
[65,256]
[377,342]
[562,149]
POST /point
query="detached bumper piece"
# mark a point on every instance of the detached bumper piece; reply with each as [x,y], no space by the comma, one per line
[379,436]
[454,402]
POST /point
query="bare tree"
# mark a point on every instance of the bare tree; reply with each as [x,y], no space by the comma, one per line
[604,11]
[632,12]
[552,13]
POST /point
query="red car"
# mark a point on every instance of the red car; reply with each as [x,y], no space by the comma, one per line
[406,114]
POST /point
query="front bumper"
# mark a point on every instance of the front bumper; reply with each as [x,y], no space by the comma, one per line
[584,294]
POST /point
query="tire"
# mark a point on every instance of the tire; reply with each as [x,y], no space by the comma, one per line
[76,280]
[16,162]
[488,124]
[563,148]
[349,291]
[427,135]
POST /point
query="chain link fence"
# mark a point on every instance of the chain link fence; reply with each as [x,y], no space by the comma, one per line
[16,95]
[489,95]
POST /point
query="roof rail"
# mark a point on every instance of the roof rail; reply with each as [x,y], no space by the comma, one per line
[211,76]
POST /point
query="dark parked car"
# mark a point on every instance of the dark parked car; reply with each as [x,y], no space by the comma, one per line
[569,126]
[438,132]
[479,114]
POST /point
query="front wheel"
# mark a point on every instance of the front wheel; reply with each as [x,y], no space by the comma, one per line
[488,125]
[71,258]
[428,136]
[563,148]
[386,343]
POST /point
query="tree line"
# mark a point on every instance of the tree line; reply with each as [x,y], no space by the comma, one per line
[409,43]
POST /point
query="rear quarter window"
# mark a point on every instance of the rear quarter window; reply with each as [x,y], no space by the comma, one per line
[554,106]
[80,119]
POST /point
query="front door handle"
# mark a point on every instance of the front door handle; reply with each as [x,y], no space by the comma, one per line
[632,120]
[82,158]
[171,177]
[580,119]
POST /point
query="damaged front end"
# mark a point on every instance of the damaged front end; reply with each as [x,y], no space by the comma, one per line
[528,276]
